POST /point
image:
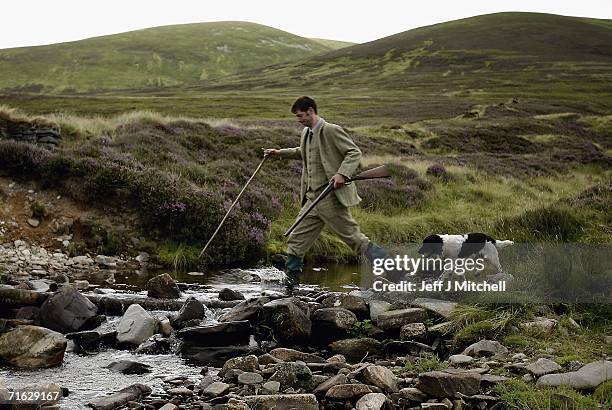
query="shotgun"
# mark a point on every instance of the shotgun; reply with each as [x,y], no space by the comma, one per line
[374,173]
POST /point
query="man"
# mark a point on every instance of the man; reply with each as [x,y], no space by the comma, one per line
[327,154]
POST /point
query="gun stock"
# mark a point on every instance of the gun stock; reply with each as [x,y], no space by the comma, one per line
[378,172]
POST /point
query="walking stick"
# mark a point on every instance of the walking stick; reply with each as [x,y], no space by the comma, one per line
[232,206]
[374,173]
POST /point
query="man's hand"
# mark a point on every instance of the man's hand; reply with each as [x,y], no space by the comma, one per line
[270,151]
[339,181]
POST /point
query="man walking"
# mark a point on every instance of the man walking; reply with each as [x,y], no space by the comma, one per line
[327,154]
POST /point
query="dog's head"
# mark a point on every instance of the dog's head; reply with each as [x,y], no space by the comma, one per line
[432,246]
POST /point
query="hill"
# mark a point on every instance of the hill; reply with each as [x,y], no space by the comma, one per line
[502,49]
[153,57]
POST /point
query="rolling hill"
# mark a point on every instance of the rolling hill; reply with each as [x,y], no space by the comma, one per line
[506,47]
[153,57]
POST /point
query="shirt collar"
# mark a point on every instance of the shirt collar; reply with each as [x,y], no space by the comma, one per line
[318,125]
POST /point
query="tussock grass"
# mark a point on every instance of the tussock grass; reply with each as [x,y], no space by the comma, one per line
[517,394]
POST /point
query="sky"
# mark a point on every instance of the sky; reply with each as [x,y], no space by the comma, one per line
[29,22]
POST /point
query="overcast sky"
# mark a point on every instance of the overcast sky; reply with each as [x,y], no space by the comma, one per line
[28,22]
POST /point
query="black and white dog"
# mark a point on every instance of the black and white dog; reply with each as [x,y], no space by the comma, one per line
[471,245]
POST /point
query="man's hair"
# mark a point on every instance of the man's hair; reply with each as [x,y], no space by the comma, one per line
[303,104]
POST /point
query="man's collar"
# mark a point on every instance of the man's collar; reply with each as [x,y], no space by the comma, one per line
[318,125]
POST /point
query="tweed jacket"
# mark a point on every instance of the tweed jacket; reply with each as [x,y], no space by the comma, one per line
[339,155]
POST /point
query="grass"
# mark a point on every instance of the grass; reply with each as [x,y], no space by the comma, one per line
[180,257]
[517,394]
[426,362]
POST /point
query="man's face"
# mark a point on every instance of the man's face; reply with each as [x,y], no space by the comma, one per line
[306,118]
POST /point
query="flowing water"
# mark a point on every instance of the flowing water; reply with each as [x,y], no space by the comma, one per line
[85,375]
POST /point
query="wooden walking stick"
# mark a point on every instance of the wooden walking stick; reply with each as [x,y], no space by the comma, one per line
[233,204]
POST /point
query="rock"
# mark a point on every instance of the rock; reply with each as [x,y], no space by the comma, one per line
[543,366]
[459,359]
[246,363]
[291,355]
[249,378]
[229,294]
[290,323]
[371,401]
[33,222]
[485,348]
[213,355]
[377,307]
[66,311]
[217,334]
[330,324]
[382,377]
[81,285]
[206,381]
[164,327]
[441,329]
[129,367]
[527,378]
[180,391]
[106,261]
[519,356]
[157,344]
[136,326]
[291,374]
[216,389]
[163,287]
[142,257]
[609,340]
[192,309]
[283,401]
[442,308]
[120,398]
[245,310]
[356,349]
[413,331]
[445,384]
[395,319]
[406,347]
[272,386]
[322,388]
[347,392]
[91,340]
[413,394]
[352,303]
[588,377]
[32,347]
[168,406]
[539,324]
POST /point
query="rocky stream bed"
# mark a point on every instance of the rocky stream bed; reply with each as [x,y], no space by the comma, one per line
[67,326]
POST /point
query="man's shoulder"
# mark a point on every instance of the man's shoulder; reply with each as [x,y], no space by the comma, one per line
[332,127]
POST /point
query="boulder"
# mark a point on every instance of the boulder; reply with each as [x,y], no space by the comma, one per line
[192,309]
[442,308]
[322,388]
[357,348]
[346,392]
[460,359]
[32,347]
[246,363]
[292,374]
[66,311]
[217,334]
[446,384]
[587,377]
[412,331]
[543,366]
[214,355]
[540,325]
[356,305]
[289,323]
[381,377]
[21,297]
[249,378]
[129,367]
[230,294]
[247,310]
[282,401]
[395,319]
[371,401]
[120,398]
[377,307]
[136,326]
[163,287]
[330,324]
[216,389]
[291,355]
[485,348]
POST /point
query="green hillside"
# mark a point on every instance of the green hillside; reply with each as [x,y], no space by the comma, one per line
[154,57]
[333,44]
[504,49]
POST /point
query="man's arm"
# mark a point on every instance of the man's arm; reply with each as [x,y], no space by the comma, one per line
[284,152]
[351,152]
